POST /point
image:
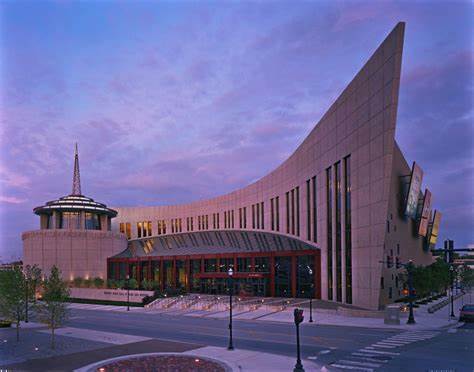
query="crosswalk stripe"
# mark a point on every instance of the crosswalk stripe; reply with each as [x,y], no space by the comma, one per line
[411,339]
[368,357]
[342,366]
[396,342]
[363,364]
[384,346]
[370,349]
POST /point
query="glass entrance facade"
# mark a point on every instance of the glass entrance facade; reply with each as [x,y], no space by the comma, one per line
[291,274]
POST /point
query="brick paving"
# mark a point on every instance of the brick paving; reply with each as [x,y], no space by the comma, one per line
[74,360]
[163,363]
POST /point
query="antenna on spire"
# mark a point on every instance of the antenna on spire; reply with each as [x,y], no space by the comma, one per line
[76,180]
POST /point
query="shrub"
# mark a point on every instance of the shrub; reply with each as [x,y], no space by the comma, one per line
[5,324]
[112,284]
[120,284]
[147,284]
[78,282]
[98,282]
[133,284]
[87,283]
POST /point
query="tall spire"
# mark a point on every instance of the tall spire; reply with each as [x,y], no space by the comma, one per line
[76,180]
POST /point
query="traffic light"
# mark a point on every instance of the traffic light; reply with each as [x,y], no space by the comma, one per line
[298,313]
[449,251]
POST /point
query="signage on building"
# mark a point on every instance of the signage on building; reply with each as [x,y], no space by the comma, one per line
[425,214]
[411,204]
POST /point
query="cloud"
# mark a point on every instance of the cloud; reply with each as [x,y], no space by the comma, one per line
[11,200]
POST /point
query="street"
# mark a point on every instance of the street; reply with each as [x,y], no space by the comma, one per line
[336,347]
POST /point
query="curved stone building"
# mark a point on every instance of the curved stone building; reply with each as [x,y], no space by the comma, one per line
[75,235]
[328,222]
[334,221]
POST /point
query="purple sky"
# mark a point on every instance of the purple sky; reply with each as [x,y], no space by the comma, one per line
[172,102]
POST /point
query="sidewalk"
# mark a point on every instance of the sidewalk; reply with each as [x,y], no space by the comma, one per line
[423,319]
[246,360]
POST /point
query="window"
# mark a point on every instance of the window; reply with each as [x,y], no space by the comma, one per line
[348,227]
[162,227]
[277,207]
[337,170]
[390,292]
[272,220]
[244,264]
[262,215]
[72,220]
[293,211]
[92,221]
[297,210]
[245,217]
[398,249]
[240,218]
[253,216]
[128,230]
[122,227]
[329,229]
[232,218]
[315,214]
[262,264]
[382,286]
[210,265]
[287,212]
[308,210]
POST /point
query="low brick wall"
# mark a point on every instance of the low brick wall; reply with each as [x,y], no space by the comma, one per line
[108,294]
[359,313]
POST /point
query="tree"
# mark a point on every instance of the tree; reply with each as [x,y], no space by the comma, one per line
[53,309]
[466,276]
[32,277]
[12,296]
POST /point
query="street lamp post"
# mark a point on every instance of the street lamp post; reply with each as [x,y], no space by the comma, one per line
[128,292]
[409,267]
[26,299]
[230,272]
[451,271]
[311,296]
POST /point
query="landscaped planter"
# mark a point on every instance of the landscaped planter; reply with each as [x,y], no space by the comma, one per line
[105,294]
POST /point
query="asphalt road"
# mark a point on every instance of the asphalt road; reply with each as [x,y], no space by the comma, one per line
[324,344]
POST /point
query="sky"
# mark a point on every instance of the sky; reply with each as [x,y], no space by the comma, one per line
[172,102]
